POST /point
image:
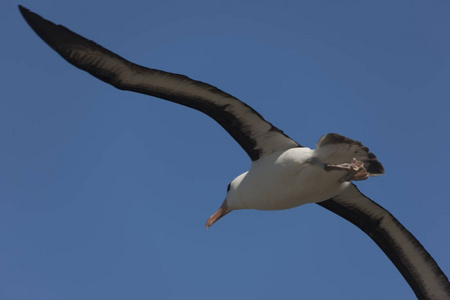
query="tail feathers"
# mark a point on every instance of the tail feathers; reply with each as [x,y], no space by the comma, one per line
[340,149]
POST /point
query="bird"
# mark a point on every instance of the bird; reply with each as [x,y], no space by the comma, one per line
[283,174]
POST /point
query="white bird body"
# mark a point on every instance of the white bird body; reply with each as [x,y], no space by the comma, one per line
[284,180]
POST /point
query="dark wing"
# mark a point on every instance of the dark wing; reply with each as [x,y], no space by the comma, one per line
[403,249]
[257,136]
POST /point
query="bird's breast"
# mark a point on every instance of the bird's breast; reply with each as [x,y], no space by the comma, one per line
[281,181]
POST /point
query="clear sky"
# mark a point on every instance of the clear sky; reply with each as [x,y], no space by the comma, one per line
[104,194]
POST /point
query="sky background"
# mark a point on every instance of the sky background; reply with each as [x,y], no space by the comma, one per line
[104,194]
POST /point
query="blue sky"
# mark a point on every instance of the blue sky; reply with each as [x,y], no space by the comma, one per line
[104,194]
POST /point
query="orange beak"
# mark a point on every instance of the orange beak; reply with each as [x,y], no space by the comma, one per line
[222,211]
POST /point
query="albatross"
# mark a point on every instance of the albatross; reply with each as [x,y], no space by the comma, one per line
[283,174]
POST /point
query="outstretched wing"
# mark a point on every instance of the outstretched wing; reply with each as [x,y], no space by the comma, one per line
[403,249]
[257,136]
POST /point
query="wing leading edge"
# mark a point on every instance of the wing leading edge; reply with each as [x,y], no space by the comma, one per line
[412,260]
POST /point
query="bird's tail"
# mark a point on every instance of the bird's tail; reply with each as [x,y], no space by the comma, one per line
[337,149]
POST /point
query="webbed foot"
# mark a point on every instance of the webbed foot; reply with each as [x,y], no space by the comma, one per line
[355,169]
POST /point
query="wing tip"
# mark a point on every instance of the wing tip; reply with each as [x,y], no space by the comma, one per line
[42,27]
[28,15]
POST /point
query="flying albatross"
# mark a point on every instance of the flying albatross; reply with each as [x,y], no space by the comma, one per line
[283,174]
